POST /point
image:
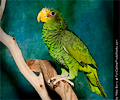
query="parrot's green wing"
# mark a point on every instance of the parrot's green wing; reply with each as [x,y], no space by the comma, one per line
[76,48]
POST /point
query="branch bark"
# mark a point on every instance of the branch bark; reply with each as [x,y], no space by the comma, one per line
[42,66]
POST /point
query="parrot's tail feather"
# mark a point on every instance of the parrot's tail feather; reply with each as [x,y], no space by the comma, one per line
[95,85]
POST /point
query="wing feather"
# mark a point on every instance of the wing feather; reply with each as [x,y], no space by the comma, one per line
[76,48]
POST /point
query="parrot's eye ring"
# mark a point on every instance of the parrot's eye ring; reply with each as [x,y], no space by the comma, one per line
[52,13]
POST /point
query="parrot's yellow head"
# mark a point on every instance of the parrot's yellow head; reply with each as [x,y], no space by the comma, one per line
[44,14]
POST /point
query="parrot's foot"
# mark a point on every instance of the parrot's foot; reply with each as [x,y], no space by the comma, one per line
[60,78]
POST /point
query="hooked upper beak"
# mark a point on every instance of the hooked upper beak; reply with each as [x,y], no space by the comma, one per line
[42,15]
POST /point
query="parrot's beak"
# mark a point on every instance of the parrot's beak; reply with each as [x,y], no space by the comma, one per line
[42,15]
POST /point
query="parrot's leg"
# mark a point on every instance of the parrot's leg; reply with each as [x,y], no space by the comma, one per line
[64,76]
[64,72]
[73,72]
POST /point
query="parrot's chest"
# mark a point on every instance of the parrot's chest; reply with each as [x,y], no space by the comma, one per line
[58,53]
[54,44]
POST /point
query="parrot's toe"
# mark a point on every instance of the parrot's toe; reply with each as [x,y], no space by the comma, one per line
[49,81]
[60,78]
[66,79]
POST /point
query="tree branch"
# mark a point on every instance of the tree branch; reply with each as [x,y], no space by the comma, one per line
[2,7]
[44,66]
[36,81]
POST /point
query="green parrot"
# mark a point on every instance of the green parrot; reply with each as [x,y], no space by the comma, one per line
[68,50]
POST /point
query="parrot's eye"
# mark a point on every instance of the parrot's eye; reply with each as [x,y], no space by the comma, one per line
[52,13]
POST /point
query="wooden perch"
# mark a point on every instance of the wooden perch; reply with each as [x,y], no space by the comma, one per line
[36,81]
[42,66]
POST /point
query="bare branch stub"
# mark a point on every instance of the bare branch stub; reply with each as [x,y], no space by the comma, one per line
[14,39]
[2,7]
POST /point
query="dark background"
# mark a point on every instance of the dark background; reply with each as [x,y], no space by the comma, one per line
[91,20]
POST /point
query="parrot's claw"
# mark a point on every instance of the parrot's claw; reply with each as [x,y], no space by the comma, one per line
[49,81]
[60,78]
